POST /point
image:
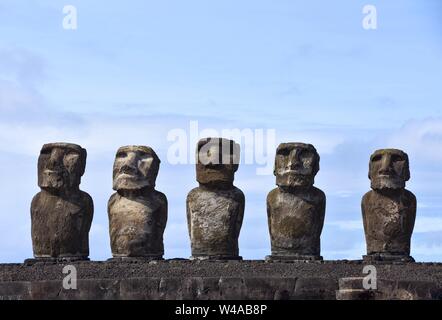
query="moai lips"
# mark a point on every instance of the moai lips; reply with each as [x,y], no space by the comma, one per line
[61,213]
[215,209]
[137,212]
[389,210]
[296,209]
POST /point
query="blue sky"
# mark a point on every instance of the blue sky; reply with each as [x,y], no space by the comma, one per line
[133,71]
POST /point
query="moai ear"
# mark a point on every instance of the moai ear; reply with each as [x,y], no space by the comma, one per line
[83,156]
[274,164]
[317,158]
[369,170]
[156,166]
[370,167]
[316,165]
[236,155]
[407,173]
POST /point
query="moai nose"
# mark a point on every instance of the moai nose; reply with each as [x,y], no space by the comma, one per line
[131,159]
[129,165]
[132,156]
[56,158]
[386,164]
[294,160]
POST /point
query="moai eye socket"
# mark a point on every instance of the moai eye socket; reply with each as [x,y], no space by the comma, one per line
[306,155]
[46,151]
[70,160]
[397,158]
[145,157]
[376,158]
[121,154]
[284,152]
[71,155]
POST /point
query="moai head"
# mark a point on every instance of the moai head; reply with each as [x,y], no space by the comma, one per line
[135,168]
[60,166]
[389,169]
[217,161]
[296,165]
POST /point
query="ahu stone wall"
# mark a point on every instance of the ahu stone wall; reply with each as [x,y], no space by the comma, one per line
[232,280]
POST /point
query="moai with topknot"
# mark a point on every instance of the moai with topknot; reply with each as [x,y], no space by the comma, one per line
[137,212]
[215,209]
[296,209]
[389,210]
[61,213]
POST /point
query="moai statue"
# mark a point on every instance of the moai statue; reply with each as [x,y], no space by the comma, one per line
[296,209]
[61,213]
[137,212]
[389,210]
[215,209]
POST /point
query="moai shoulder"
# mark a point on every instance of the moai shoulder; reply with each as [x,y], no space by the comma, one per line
[137,212]
[215,209]
[296,209]
[279,196]
[61,213]
[389,210]
[199,195]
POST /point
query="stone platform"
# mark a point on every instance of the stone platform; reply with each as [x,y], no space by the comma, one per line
[225,280]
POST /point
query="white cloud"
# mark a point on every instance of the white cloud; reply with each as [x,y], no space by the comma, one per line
[344,193]
[324,140]
[422,138]
[347,224]
[422,225]
[355,252]
[423,252]
[98,230]
[428,224]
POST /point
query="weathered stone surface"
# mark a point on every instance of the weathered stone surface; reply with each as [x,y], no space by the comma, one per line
[352,289]
[137,212]
[139,288]
[389,210]
[201,280]
[87,289]
[296,209]
[315,289]
[19,290]
[242,269]
[215,209]
[61,213]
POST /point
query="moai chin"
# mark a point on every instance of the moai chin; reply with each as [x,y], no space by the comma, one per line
[137,212]
[61,213]
[389,210]
[296,209]
[215,209]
